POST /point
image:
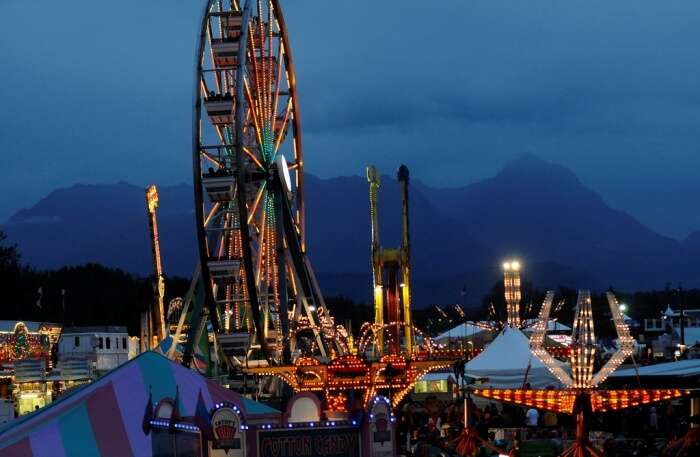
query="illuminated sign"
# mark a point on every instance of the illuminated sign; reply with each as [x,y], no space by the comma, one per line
[309,442]
[226,425]
[380,428]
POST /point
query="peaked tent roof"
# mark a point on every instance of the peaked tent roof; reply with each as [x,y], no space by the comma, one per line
[104,418]
[553,325]
[679,368]
[505,363]
[464,330]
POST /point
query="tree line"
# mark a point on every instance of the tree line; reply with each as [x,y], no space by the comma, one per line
[93,294]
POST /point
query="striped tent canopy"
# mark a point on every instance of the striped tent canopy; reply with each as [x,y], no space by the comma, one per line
[104,418]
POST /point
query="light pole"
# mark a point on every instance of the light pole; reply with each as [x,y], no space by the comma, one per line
[682,313]
[511,284]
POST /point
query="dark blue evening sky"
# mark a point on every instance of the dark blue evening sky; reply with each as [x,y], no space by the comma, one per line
[96,91]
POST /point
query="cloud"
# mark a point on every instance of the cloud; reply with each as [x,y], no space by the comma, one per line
[454,88]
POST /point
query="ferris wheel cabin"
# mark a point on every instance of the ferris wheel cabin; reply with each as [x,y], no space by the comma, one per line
[225,48]
[219,185]
[224,270]
[219,108]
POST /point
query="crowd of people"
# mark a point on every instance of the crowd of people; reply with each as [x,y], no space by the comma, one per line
[433,428]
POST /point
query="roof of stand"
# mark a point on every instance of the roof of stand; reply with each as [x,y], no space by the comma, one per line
[104,418]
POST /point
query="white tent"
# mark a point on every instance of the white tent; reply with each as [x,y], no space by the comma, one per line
[504,363]
[465,330]
[553,325]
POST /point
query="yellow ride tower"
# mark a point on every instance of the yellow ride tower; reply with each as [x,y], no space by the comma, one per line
[391,268]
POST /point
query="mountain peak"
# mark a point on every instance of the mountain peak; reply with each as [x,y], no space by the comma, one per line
[530,166]
[693,240]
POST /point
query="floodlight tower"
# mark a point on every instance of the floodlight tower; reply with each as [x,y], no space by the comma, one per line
[391,270]
[511,282]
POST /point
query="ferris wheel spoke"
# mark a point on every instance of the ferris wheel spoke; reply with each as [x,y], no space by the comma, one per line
[220,245]
[203,87]
[254,114]
[256,204]
[278,79]
[283,127]
[261,250]
[250,154]
[252,58]
[211,159]
[210,37]
[262,53]
[220,133]
[211,213]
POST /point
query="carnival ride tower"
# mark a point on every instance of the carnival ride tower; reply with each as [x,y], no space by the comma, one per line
[157,311]
[391,268]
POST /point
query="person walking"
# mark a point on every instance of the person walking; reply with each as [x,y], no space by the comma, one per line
[532,417]
[653,420]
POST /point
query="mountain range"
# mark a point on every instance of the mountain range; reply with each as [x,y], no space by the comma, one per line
[564,233]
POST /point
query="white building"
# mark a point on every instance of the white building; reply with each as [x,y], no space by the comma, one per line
[106,347]
[670,322]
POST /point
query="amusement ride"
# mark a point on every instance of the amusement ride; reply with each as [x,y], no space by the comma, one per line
[262,299]
[581,395]
[390,356]
[254,298]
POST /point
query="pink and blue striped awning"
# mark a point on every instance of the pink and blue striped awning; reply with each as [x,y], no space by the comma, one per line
[103,419]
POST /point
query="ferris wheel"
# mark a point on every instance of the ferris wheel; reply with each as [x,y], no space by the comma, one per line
[248,181]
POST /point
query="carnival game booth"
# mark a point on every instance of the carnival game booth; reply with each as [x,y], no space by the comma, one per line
[508,363]
[150,406]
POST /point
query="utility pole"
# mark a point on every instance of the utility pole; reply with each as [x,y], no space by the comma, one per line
[682,315]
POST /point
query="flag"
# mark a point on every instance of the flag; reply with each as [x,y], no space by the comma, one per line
[202,353]
[175,416]
[463,291]
[148,414]
[202,349]
[439,310]
[39,293]
[559,306]
[202,419]
[459,310]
